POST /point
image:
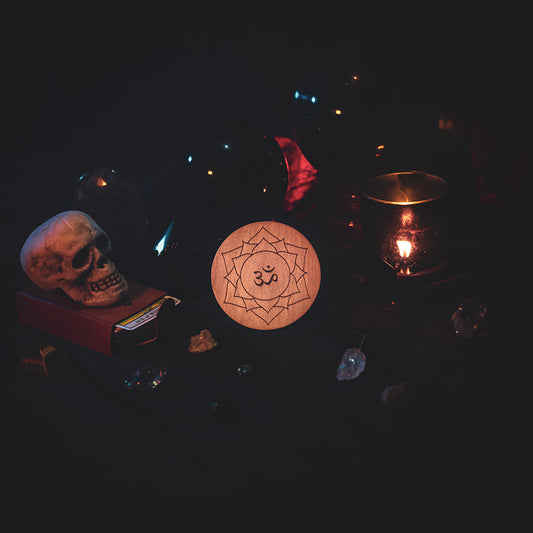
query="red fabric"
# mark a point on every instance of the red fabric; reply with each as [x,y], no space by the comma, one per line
[302,175]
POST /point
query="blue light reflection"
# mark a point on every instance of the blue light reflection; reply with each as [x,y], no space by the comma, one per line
[160,246]
[299,95]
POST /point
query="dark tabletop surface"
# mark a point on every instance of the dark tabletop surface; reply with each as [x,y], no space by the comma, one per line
[290,447]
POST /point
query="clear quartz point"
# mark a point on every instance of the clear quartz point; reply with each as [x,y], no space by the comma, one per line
[468,317]
[352,364]
[145,378]
[244,370]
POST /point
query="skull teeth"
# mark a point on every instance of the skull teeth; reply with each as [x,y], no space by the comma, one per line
[104,284]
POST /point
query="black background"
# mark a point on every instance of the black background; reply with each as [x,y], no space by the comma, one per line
[86,85]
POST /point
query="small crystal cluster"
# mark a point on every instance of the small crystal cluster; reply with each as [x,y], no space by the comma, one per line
[203,342]
[468,317]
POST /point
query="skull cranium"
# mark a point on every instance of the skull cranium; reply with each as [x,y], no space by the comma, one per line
[68,252]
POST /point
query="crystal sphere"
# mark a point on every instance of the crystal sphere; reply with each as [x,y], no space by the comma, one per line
[227,175]
[115,202]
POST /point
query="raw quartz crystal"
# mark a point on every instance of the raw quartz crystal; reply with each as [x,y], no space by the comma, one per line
[203,342]
[352,364]
[468,317]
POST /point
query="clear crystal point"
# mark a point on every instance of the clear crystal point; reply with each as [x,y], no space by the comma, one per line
[468,317]
[352,364]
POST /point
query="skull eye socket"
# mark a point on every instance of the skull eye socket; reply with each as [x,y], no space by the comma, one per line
[102,242]
[81,258]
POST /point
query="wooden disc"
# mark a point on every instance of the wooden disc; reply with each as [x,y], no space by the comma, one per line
[265,275]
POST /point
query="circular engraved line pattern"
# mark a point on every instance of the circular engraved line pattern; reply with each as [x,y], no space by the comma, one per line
[274,275]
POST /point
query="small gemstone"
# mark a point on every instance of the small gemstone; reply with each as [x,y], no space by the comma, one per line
[244,370]
[203,342]
[468,317]
[146,378]
[352,364]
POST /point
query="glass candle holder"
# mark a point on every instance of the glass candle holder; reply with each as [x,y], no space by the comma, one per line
[403,222]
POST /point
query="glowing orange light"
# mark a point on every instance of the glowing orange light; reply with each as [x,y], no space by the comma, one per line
[351,224]
[355,77]
[446,124]
[380,147]
[264,190]
[407,217]
[338,112]
[209,172]
[405,248]
[101,183]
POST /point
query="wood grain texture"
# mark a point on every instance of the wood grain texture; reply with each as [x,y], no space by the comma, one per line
[265,275]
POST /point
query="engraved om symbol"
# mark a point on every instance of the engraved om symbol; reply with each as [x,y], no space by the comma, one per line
[259,276]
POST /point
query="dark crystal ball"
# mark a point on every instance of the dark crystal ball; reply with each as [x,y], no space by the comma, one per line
[226,176]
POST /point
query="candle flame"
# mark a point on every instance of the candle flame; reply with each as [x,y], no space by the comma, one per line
[405,248]
[101,182]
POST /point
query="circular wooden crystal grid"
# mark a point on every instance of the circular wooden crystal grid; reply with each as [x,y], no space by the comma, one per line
[265,275]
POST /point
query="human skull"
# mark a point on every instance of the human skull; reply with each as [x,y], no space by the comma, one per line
[68,252]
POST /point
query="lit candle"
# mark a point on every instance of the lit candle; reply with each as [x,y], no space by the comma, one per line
[404,247]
